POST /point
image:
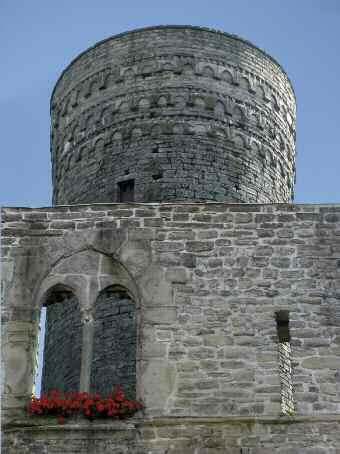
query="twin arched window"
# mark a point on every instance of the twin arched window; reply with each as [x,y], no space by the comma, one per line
[102,350]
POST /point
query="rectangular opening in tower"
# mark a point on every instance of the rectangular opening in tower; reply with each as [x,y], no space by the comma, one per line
[285,362]
[126,191]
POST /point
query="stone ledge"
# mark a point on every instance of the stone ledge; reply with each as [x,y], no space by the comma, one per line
[244,205]
[241,420]
[28,424]
[71,424]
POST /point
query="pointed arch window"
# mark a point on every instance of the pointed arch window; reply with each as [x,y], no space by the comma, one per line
[59,361]
[114,342]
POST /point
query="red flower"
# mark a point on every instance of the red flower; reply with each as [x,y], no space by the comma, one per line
[67,404]
[118,394]
[100,407]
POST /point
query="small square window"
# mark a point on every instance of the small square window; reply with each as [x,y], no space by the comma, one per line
[126,191]
[282,324]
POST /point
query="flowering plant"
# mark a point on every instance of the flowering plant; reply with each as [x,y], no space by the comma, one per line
[91,406]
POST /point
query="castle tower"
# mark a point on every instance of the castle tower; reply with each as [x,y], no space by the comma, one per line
[173,261]
[173,113]
[163,114]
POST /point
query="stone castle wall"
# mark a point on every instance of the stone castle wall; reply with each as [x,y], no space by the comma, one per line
[223,318]
[208,281]
[187,113]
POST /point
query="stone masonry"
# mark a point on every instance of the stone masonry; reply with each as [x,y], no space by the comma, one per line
[205,292]
[187,113]
[207,280]
[114,344]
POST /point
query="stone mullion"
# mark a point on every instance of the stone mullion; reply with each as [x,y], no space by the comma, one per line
[86,355]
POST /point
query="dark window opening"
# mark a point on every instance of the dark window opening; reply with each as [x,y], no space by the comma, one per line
[285,362]
[114,346]
[126,191]
[282,322]
[60,355]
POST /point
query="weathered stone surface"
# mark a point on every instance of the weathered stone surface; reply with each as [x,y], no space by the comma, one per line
[183,115]
[321,362]
[222,310]
[198,334]
[157,383]
[242,435]
[155,289]
[162,315]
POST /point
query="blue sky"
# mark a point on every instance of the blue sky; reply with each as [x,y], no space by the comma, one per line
[40,37]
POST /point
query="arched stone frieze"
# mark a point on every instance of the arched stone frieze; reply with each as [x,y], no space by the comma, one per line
[199,85]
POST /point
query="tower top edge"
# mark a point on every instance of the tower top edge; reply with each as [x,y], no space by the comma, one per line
[173,27]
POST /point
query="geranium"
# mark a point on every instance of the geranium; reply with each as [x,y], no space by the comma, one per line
[91,406]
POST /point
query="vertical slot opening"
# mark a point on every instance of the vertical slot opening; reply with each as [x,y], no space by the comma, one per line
[285,362]
[40,353]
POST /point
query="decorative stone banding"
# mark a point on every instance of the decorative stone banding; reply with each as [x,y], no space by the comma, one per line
[220,111]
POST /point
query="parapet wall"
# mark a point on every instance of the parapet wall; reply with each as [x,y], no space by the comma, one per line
[207,280]
[185,113]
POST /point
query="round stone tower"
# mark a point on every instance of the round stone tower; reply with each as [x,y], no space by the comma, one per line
[173,113]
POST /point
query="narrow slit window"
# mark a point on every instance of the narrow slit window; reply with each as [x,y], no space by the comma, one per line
[285,362]
[40,353]
[126,191]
